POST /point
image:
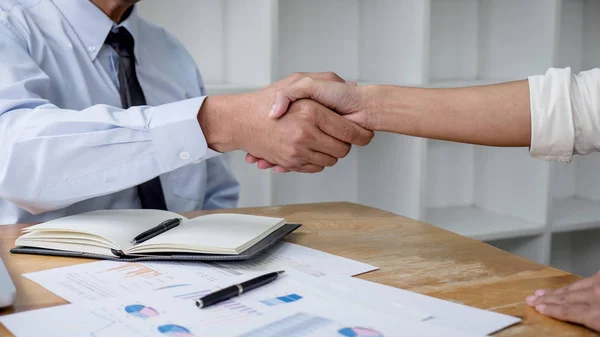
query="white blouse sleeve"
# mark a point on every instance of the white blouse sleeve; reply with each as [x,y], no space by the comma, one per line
[565,114]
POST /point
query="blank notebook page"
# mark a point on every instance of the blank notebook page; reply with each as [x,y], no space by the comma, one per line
[119,226]
[228,231]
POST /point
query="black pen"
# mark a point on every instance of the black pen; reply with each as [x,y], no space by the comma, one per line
[154,231]
[237,289]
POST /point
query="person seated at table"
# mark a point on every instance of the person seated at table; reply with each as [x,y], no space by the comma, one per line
[557,115]
[100,109]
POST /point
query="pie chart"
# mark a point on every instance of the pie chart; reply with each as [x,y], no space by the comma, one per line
[141,311]
[173,330]
[359,332]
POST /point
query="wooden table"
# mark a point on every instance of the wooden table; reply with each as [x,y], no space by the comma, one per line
[411,255]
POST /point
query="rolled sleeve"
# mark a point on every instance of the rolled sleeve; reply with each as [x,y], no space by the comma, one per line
[552,118]
[585,98]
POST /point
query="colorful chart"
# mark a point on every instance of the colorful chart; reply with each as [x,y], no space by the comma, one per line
[359,332]
[134,270]
[172,286]
[174,331]
[297,325]
[281,300]
[141,311]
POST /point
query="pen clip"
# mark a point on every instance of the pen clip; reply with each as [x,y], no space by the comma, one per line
[168,221]
[118,253]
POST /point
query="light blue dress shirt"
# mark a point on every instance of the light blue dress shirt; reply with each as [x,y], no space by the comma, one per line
[67,147]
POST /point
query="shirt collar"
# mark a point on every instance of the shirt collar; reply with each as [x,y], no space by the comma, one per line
[92,26]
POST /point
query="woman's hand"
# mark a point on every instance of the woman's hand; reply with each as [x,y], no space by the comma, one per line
[344,98]
[578,302]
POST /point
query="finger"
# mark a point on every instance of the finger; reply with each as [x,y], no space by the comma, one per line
[575,313]
[571,297]
[279,169]
[343,129]
[250,159]
[530,300]
[542,292]
[303,88]
[333,95]
[263,164]
[322,159]
[305,168]
[352,83]
[311,168]
[322,76]
[331,146]
[324,143]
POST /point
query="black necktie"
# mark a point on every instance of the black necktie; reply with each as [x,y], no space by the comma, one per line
[150,193]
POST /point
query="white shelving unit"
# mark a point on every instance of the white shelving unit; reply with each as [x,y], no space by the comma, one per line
[544,211]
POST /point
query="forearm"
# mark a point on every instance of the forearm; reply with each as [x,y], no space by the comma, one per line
[55,157]
[496,115]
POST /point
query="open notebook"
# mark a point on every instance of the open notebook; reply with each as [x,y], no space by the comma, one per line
[108,234]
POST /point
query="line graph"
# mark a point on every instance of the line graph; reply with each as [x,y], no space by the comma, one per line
[193,295]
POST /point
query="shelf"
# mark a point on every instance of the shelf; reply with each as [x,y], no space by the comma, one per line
[450,174]
[576,252]
[573,214]
[480,224]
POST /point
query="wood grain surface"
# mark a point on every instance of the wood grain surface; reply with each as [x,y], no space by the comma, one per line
[411,255]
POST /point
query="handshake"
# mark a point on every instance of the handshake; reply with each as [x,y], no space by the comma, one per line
[303,123]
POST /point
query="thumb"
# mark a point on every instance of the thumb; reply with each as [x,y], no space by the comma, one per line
[333,95]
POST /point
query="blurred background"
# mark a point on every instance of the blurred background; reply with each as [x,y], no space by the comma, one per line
[547,212]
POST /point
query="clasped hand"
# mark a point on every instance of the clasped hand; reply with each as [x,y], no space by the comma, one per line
[336,98]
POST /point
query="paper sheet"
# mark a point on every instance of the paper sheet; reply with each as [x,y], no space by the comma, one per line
[107,279]
[100,287]
[291,306]
[444,313]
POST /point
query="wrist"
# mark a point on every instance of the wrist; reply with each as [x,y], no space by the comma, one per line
[217,124]
[373,101]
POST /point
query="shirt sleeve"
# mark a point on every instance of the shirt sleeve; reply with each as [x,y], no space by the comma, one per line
[52,157]
[565,114]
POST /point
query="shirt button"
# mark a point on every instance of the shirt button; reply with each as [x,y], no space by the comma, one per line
[91,49]
[184,155]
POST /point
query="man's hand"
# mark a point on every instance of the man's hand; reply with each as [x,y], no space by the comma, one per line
[578,302]
[309,138]
[344,98]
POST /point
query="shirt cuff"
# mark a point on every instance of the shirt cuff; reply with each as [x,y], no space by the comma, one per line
[585,99]
[552,128]
[177,136]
